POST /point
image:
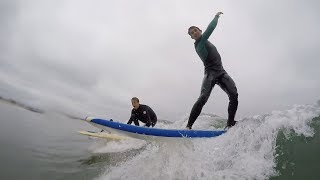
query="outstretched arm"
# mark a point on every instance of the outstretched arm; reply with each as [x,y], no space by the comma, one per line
[132,118]
[211,26]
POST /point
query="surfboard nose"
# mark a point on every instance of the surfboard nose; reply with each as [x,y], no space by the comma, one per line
[89,119]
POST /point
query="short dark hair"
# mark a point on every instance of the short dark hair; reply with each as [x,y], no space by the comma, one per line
[135,99]
[192,27]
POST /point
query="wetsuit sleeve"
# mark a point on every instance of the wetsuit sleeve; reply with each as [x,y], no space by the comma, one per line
[210,28]
[132,117]
[148,124]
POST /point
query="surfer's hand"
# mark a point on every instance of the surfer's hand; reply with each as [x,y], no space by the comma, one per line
[219,13]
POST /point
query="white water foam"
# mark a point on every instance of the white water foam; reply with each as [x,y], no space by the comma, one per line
[246,151]
[110,146]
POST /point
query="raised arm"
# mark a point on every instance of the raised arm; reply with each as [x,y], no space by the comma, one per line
[211,26]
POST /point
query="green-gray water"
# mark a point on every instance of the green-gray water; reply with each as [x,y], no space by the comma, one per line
[47,146]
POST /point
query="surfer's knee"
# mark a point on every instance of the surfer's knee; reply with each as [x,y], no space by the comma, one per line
[233,94]
[202,100]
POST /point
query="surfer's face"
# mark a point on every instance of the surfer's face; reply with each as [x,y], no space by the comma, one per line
[135,104]
[195,33]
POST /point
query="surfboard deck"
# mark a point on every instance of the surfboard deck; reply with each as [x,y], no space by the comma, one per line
[102,135]
[148,132]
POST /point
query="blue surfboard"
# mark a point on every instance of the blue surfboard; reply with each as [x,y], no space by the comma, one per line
[146,132]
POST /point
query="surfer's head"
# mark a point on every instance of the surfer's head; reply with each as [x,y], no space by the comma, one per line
[135,102]
[194,32]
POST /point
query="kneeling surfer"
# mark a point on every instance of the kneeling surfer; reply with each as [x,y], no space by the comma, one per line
[143,113]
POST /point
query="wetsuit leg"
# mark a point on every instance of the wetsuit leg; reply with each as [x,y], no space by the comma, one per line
[206,88]
[227,84]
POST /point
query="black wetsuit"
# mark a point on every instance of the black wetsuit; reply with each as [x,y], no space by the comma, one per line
[144,114]
[214,74]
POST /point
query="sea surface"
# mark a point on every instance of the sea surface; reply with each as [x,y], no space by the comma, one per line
[280,145]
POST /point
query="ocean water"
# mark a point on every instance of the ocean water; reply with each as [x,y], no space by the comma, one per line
[278,145]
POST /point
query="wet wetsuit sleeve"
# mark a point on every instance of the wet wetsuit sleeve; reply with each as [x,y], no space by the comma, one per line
[210,28]
[132,117]
[148,124]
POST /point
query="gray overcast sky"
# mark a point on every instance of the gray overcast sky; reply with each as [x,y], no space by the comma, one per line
[91,57]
